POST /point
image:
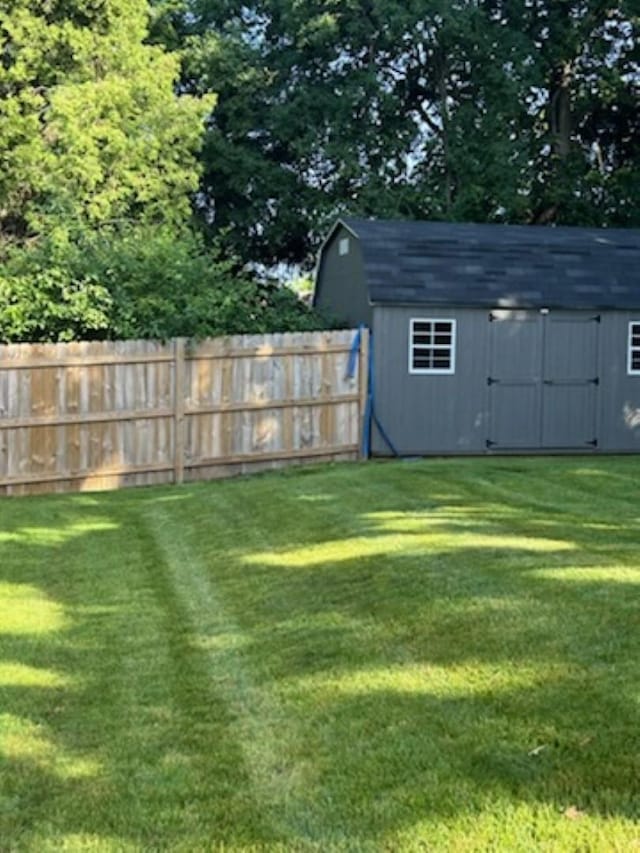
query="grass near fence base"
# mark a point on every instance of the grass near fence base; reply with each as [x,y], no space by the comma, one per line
[439,655]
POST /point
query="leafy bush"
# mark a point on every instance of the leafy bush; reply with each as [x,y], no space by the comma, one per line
[144,283]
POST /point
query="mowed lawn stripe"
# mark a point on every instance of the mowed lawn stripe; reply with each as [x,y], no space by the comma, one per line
[257,722]
[129,747]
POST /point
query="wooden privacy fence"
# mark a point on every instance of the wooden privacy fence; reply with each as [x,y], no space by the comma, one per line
[104,415]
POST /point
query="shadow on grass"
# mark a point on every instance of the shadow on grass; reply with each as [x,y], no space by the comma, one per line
[441,637]
[110,732]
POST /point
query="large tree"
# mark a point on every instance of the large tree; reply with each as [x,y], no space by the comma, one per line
[493,110]
[91,129]
[98,167]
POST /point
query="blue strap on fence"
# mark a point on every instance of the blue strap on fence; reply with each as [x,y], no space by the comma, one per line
[370,416]
[353,355]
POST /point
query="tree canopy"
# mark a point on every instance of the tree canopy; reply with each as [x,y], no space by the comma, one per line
[91,129]
[98,168]
[492,110]
[137,135]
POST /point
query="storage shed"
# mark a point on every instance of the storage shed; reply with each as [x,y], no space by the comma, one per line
[493,338]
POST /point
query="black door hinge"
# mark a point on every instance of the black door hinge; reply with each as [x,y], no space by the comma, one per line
[593,443]
[490,444]
[595,381]
[491,380]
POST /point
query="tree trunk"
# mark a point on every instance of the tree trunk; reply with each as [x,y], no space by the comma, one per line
[444,113]
[560,109]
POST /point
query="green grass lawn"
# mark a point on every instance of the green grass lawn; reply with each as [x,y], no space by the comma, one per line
[436,655]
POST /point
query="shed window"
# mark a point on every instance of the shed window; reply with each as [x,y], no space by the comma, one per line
[634,347]
[432,346]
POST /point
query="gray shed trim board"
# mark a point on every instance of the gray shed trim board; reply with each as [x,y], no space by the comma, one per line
[541,321]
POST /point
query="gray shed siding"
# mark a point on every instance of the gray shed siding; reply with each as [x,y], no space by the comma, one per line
[423,413]
[341,290]
[619,392]
[527,381]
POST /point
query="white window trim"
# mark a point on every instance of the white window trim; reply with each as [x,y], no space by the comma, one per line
[433,371]
[631,349]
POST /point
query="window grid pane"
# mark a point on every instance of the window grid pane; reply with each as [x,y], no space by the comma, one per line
[432,345]
[634,347]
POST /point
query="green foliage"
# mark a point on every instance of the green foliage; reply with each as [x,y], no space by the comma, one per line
[142,283]
[43,305]
[97,168]
[486,111]
[91,130]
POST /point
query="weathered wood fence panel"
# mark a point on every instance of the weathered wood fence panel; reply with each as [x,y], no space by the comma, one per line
[103,415]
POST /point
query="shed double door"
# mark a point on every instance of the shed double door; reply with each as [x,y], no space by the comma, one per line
[543,380]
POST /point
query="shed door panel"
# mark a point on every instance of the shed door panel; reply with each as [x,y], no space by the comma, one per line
[571,347]
[543,382]
[515,421]
[515,346]
[569,380]
[568,419]
[514,380]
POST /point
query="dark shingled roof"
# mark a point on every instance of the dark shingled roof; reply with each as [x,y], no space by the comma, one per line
[520,266]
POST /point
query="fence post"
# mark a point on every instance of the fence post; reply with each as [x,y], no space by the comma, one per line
[363,377]
[179,392]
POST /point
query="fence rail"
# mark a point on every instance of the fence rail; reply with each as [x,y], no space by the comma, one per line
[112,414]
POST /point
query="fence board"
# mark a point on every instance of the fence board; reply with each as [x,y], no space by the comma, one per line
[114,414]
[178,394]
